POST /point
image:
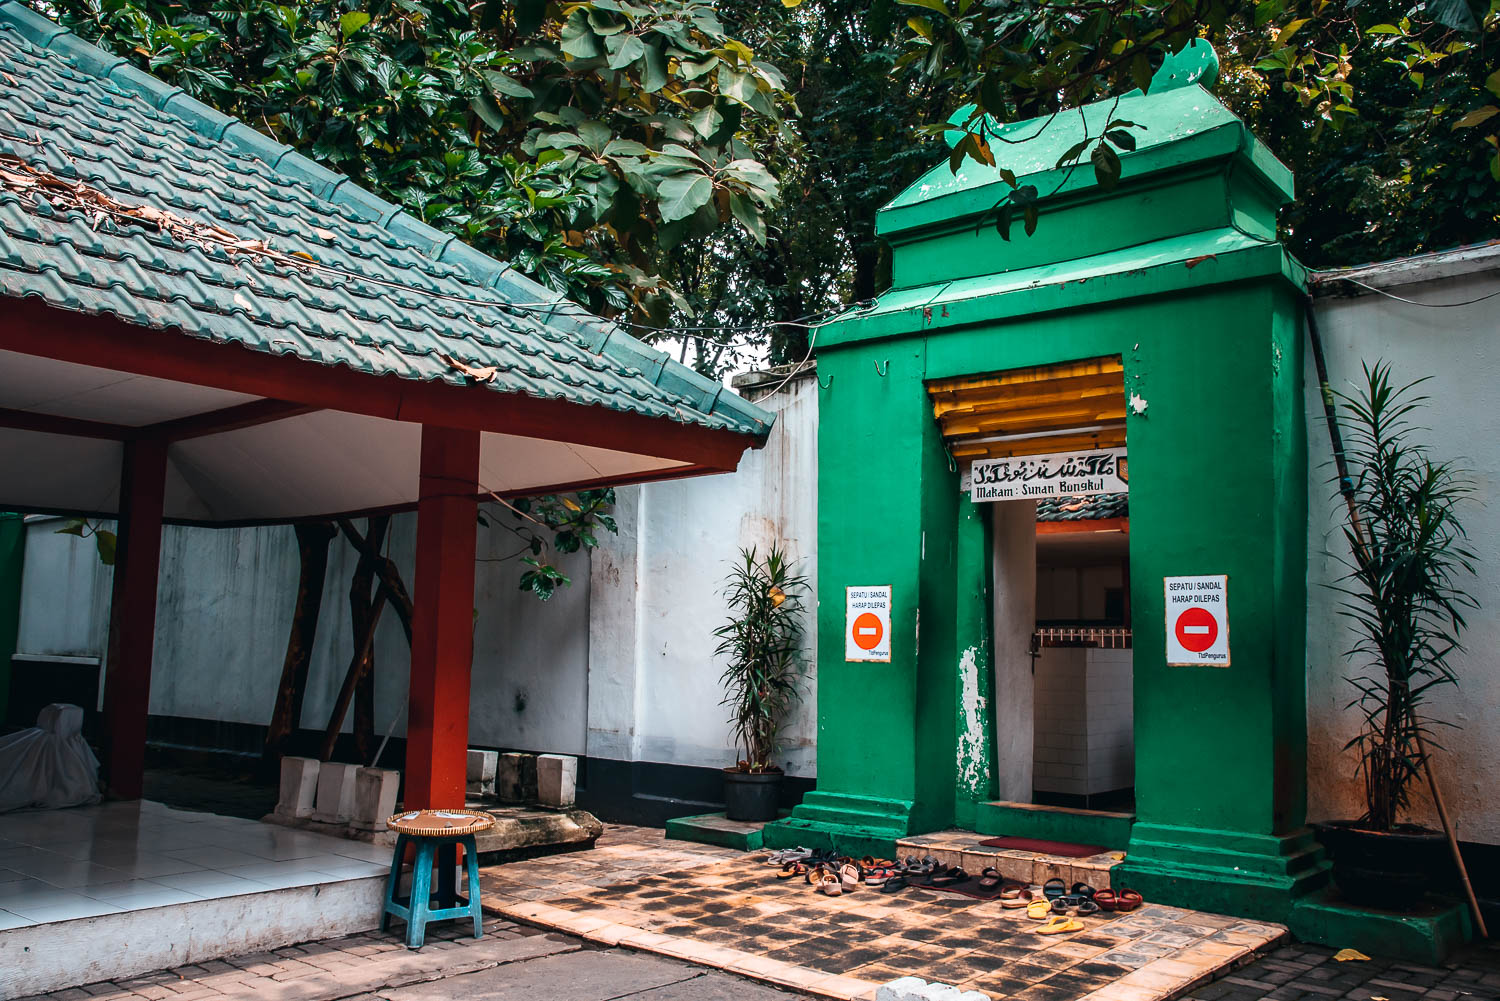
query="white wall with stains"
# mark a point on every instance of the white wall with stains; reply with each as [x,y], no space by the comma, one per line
[1459,347]
[654,688]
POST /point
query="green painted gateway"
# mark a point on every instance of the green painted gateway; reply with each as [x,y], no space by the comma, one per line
[1176,283]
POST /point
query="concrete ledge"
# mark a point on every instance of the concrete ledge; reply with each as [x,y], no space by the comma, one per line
[530,830]
[1427,936]
[36,959]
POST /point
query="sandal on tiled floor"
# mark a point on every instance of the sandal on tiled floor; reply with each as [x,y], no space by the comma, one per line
[948,876]
[850,874]
[894,884]
[1058,924]
[1128,900]
[830,884]
[1039,910]
[1054,888]
[1015,897]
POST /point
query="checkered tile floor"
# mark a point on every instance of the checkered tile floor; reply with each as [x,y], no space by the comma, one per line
[668,897]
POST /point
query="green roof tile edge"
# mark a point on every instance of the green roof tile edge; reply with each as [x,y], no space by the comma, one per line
[340,190]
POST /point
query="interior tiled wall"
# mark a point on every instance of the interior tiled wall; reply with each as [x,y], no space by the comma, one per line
[1085,723]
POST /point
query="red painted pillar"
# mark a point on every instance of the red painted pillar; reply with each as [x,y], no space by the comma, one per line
[132,616]
[442,629]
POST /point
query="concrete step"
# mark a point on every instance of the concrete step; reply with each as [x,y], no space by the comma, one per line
[962,848]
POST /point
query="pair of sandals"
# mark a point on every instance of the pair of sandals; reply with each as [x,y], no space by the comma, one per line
[834,882]
[1118,901]
[1056,922]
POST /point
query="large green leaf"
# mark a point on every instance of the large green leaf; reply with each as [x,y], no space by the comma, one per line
[624,50]
[680,195]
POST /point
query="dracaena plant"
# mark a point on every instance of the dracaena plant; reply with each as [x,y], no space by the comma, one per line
[1403,592]
[763,644]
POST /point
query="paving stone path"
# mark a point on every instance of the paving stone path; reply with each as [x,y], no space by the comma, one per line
[1310,973]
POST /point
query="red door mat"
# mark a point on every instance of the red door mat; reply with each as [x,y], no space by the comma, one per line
[1062,848]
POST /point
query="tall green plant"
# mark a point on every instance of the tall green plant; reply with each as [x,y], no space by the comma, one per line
[763,641]
[1401,592]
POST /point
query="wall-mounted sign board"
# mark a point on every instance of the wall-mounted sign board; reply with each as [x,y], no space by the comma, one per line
[1198,621]
[867,624]
[1057,474]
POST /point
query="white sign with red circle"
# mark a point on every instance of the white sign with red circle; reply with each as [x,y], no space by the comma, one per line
[1198,621]
[867,624]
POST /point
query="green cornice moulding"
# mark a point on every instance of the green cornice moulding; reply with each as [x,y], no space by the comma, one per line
[1195,261]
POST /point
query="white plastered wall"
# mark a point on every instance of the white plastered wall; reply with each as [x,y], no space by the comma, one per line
[1460,349]
[654,688]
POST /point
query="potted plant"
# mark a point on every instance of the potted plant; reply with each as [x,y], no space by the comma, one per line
[1403,599]
[762,641]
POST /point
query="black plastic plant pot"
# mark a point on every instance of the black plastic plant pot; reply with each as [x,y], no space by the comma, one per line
[751,796]
[1389,870]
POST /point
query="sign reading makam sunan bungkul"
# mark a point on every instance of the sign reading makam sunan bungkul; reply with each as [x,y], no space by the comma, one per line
[1197,621]
[1057,474]
[867,624]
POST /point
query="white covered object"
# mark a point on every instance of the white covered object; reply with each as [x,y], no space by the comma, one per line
[49,766]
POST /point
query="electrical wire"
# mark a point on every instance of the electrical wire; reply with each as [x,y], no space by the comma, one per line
[861,306]
[1410,302]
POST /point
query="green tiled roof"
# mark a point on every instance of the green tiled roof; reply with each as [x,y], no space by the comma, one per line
[1088,507]
[82,114]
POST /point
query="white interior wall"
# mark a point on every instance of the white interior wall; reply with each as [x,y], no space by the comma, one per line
[224,606]
[1013,529]
[1085,721]
[1066,593]
[1460,349]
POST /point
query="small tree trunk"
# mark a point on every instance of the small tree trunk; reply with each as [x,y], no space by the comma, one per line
[364,614]
[313,539]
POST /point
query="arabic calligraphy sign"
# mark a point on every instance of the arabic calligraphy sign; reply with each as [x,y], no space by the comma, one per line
[1059,474]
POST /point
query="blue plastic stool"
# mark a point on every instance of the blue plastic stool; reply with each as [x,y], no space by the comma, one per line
[423,905]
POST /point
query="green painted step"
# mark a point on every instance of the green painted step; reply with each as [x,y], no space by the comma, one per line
[717,829]
[1428,936]
[845,839]
[1079,827]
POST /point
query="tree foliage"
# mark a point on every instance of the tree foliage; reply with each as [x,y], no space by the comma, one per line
[1387,110]
[575,140]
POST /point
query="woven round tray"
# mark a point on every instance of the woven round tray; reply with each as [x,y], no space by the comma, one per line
[440,823]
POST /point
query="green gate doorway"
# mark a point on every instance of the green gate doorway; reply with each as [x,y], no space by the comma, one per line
[1177,273]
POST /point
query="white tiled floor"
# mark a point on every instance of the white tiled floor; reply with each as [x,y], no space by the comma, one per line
[62,864]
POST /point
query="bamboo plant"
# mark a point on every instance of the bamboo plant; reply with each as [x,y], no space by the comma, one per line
[763,643]
[1402,593]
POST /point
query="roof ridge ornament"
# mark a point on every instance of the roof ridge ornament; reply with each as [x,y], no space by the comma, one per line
[1196,63]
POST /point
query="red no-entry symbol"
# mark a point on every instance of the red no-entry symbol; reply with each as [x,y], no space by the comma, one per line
[1197,629]
[867,631]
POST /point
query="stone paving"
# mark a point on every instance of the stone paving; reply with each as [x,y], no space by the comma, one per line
[725,909]
[1310,973]
[516,960]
